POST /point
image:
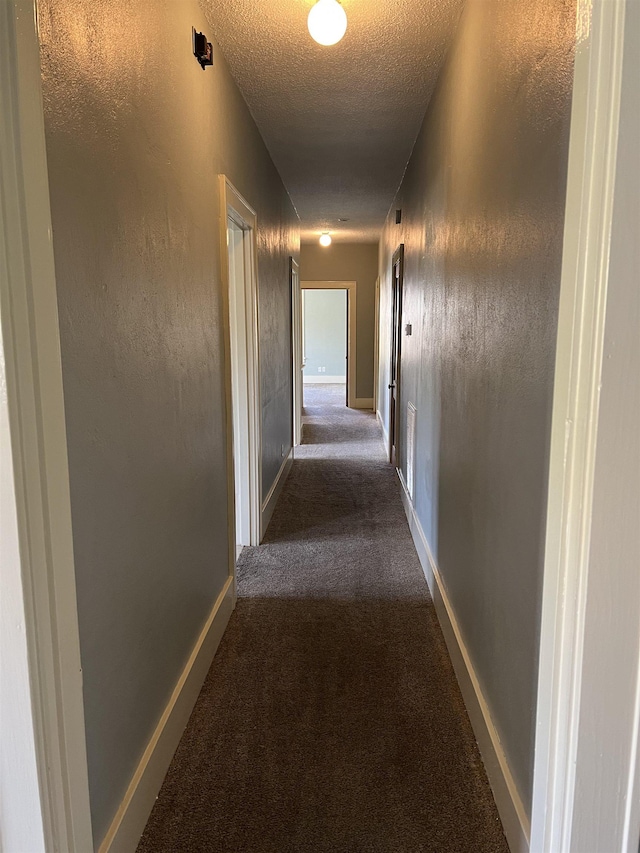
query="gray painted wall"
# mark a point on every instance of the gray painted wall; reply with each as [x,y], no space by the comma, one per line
[350,262]
[325,333]
[483,206]
[136,135]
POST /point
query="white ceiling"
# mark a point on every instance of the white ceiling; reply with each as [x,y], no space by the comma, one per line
[340,122]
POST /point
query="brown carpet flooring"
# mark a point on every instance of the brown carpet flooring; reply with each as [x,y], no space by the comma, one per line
[330,721]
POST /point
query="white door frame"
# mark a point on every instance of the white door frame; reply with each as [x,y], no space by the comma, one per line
[35,405]
[558,811]
[297,354]
[233,206]
[351,288]
[376,346]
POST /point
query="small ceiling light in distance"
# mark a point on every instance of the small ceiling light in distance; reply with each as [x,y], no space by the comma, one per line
[325,239]
[327,22]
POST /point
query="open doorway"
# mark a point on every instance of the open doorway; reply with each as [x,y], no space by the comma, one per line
[238,222]
[324,335]
[327,313]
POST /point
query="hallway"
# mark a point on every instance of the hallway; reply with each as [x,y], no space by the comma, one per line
[331,719]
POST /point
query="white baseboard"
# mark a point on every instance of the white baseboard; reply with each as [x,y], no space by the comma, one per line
[385,435]
[271,499]
[323,379]
[511,808]
[131,818]
[363,403]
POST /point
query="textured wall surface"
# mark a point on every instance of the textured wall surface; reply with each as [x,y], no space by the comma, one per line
[136,135]
[350,262]
[483,205]
[339,121]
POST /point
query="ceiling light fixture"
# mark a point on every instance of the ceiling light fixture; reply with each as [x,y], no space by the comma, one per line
[325,239]
[327,22]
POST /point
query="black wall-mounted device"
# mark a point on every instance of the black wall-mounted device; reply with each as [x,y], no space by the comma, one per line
[398,217]
[202,49]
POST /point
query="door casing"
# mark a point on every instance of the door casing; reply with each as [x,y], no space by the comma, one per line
[351,288]
[297,353]
[235,208]
[397,280]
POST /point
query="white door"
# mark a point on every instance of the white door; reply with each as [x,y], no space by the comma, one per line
[239,275]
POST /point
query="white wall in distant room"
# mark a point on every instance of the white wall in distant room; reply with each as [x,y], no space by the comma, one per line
[325,336]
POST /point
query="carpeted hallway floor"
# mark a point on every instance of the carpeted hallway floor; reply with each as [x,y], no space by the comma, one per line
[330,721]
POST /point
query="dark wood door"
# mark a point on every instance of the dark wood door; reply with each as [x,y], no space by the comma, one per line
[396,352]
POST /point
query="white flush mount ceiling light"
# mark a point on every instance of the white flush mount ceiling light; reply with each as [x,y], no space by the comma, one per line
[327,22]
[325,239]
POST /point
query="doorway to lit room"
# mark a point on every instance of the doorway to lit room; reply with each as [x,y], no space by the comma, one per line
[324,342]
[328,341]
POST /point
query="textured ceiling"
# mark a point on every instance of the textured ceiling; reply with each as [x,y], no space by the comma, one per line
[339,121]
